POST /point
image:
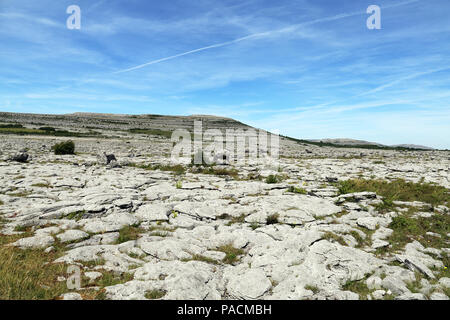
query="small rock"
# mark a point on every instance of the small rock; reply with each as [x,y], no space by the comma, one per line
[445,282]
[252,284]
[411,296]
[432,234]
[71,296]
[35,242]
[72,235]
[93,275]
[49,249]
[379,244]
[438,296]
[374,282]
[378,294]
[368,222]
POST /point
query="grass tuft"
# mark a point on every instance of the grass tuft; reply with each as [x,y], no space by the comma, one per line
[155,294]
[198,257]
[272,179]
[129,233]
[232,253]
[359,287]
[297,190]
[272,219]
[330,236]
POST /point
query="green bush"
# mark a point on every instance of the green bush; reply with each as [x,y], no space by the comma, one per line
[67,147]
[271,179]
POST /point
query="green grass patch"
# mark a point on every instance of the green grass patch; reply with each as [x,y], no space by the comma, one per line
[44,132]
[442,272]
[23,275]
[152,132]
[21,194]
[330,236]
[219,172]
[233,220]
[198,257]
[314,289]
[398,189]
[177,169]
[408,228]
[359,239]
[109,278]
[94,263]
[359,287]
[29,274]
[297,190]
[155,294]
[10,125]
[232,253]
[76,215]
[415,285]
[129,233]
[22,229]
[254,225]
[273,179]
[42,185]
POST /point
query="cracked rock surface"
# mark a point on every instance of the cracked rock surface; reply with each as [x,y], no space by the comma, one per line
[211,236]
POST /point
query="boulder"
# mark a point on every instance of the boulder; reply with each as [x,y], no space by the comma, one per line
[20,157]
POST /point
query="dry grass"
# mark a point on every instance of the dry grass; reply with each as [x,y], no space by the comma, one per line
[330,236]
[42,185]
[272,219]
[198,257]
[28,274]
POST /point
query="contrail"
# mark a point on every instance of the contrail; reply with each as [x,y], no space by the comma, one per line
[186,53]
[255,35]
[259,35]
[392,83]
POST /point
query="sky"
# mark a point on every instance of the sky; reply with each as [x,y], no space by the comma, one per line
[310,69]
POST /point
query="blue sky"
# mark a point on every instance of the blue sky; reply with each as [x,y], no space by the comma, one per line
[308,68]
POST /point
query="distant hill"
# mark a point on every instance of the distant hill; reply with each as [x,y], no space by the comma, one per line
[161,125]
[359,143]
[347,142]
[413,146]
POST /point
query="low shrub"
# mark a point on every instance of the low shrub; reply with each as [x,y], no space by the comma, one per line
[66,147]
